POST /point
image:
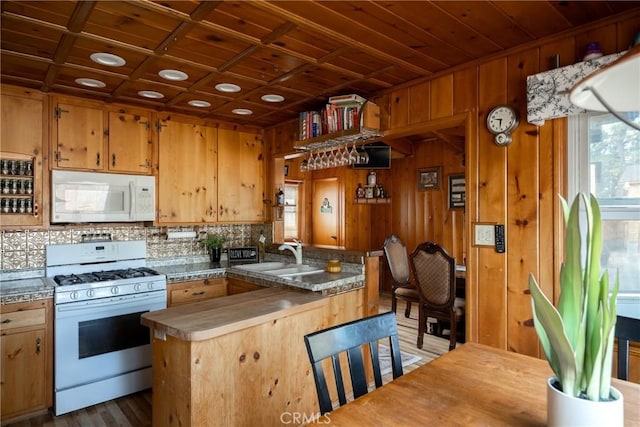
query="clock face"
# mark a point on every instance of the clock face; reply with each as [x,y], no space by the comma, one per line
[502,119]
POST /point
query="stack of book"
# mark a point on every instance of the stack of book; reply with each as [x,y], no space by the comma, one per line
[340,113]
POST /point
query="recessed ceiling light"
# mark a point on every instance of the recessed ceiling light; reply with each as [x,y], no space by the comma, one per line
[90,82]
[150,94]
[198,103]
[227,87]
[108,59]
[242,111]
[173,75]
[272,98]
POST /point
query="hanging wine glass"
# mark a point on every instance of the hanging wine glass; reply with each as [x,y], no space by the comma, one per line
[364,156]
[311,165]
[331,159]
[304,165]
[324,161]
[353,155]
[344,156]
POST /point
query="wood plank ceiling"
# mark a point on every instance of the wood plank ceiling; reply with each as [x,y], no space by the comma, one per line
[304,51]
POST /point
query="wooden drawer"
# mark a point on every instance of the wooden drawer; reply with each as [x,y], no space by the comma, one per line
[183,293]
[20,319]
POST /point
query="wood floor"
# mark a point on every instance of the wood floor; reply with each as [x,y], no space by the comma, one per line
[135,410]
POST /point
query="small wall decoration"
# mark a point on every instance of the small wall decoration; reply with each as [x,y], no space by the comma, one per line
[457,193]
[326,206]
[428,178]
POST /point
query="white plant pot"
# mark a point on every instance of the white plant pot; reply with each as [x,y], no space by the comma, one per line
[564,410]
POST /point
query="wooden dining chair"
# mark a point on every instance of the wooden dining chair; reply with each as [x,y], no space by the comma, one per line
[352,338]
[434,272]
[398,261]
[627,329]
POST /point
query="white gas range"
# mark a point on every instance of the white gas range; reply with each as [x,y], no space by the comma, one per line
[101,349]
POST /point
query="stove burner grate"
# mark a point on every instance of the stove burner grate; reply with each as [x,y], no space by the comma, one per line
[103,276]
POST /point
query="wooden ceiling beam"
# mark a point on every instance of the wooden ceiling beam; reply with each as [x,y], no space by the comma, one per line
[76,23]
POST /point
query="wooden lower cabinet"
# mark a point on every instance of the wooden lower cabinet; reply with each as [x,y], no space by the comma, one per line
[27,358]
[237,286]
[254,375]
[197,290]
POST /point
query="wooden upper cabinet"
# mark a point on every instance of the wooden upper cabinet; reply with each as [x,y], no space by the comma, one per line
[78,136]
[23,135]
[91,136]
[241,176]
[187,180]
[130,145]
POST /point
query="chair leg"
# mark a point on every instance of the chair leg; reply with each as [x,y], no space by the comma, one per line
[394,301]
[453,333]
[422,320]
[407,311]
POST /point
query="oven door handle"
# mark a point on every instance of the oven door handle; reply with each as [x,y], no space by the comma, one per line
[113,301]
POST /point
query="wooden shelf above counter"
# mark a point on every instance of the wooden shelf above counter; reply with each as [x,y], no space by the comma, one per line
[374,201]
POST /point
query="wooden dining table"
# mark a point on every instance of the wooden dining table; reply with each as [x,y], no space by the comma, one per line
[471,385]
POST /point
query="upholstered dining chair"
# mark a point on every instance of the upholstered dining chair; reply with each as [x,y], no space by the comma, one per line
[398,261]
[627,329]
[354,339]
[434,271]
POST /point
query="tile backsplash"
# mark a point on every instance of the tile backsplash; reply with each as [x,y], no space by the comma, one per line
[24,249]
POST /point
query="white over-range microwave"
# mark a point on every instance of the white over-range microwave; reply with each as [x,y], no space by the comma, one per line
[101,197]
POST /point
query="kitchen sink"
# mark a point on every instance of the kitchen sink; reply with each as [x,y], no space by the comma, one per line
[263,266]
[295,270]
[281,269]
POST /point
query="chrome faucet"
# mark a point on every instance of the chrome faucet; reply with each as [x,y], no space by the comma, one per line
[297,250]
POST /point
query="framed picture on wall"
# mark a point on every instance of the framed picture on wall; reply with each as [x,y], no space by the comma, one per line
[428,178]
[457,192]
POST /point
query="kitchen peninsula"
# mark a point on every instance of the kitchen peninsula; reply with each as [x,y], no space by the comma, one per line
[212,360]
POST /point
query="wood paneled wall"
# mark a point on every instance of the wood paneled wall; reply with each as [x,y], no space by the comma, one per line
[516,186]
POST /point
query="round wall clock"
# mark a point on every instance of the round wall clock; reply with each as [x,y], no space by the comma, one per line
[501,120]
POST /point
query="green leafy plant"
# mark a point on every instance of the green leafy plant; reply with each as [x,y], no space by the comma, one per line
[577,337]
[214,240]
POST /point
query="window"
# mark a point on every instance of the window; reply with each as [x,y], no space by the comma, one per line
[291,218]
[604,159]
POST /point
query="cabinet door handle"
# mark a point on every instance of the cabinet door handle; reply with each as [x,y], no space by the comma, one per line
[147,164]
[38,345]
[6,321]
[196,294]
[59,157]
[113,160]
[97,159]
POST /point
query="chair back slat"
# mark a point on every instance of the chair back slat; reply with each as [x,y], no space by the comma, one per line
[627,329]
[352,338]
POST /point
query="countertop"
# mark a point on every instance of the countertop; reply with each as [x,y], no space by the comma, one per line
[203,320]
[181,270]
[25,290]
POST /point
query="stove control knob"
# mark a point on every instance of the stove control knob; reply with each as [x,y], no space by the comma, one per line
[115,290]
[91,293]
[150,286]
[74,295]
[137,287]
